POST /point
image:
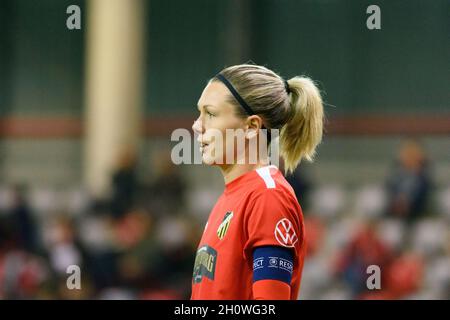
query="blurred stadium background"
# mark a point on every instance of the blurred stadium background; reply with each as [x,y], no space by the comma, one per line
[86,117]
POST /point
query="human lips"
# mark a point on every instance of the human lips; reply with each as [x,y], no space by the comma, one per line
[203,145]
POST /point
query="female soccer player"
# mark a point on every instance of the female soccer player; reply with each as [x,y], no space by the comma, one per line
[253,245]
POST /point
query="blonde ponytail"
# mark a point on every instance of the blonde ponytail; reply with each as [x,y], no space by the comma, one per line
[302,133]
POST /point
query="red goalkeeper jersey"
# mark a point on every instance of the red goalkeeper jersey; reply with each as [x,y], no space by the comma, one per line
[256,209]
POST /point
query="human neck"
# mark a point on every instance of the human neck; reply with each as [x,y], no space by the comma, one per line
[231,172]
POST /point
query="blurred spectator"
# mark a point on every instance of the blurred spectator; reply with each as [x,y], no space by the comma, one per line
[301,184]
[175,237]
[22,275]
[314,235]
[23,221]
[364,249]
[404,275]
[61,245]
[139,260]
[409,183]
[124,184]
[167,191]
[156,263]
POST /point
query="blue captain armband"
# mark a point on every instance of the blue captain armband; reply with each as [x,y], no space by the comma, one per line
[273,263]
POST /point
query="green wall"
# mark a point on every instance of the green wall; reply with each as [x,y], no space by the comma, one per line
[46,59]
[404,67]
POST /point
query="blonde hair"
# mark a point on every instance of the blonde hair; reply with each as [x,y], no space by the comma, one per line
[297,112]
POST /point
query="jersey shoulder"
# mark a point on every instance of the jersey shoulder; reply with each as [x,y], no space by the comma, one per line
[270,180]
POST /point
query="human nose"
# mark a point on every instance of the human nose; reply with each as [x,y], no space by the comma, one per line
[197,127]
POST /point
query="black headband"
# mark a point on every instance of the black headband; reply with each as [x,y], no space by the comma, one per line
[236,95]
[286,86]
[241,101]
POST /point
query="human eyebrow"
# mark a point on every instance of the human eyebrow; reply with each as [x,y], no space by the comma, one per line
[205,107]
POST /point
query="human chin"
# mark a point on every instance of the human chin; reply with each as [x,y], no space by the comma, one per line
[207,155]
[211,156]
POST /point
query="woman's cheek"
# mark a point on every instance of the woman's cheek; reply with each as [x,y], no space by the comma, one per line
[215,152]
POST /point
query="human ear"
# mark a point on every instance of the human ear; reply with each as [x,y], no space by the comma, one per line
[254,123]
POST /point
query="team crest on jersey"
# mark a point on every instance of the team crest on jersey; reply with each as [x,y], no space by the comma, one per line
[205,264]
[223,228]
